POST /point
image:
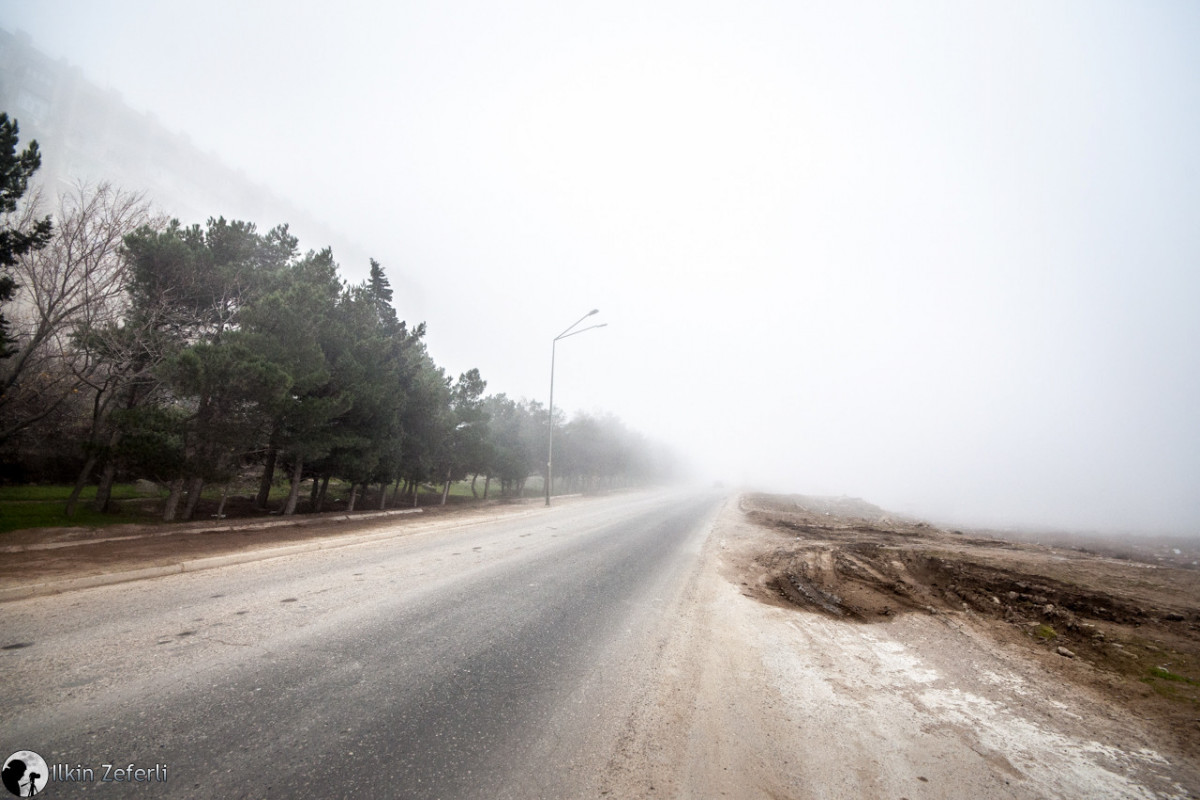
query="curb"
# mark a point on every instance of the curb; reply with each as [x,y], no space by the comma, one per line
[290,522]
[230,559]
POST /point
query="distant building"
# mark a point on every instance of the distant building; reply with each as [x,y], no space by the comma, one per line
[90,134]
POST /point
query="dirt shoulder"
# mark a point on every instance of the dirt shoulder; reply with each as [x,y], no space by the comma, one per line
[49,555]
[1127,630]
[823,649]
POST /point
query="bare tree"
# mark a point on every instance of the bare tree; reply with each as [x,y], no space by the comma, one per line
[75,283]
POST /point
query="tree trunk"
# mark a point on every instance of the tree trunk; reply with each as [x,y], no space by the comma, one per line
[268,477]
[100,407]
[416,492]
[474,477]
[221,506]
[486,483]
[353,497]
[446,489]
[312,496]
[395,491]
[321,494]
[84,475]
[289,507]
[194,488]
[382,495]
[104,489]
[172,500]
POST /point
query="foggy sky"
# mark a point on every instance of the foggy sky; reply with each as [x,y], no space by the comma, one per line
[942,256]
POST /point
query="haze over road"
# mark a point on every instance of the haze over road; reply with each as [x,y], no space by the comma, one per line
[479,662]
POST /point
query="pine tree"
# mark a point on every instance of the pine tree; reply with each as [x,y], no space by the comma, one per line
[15,171]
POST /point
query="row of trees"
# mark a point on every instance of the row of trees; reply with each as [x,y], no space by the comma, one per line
[137,347]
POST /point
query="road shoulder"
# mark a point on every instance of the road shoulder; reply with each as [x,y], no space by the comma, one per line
[50,562]
[753,699]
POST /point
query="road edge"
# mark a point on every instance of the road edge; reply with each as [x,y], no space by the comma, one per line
[61,585]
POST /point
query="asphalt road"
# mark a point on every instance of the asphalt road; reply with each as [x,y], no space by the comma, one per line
[492,661]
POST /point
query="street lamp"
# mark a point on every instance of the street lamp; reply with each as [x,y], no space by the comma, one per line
[550,451]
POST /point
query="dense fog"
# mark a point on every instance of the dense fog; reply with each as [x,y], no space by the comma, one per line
[940,256]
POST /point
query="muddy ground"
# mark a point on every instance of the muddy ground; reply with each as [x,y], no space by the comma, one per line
[1127,628]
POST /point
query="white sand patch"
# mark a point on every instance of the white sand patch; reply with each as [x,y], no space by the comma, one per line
[865,691]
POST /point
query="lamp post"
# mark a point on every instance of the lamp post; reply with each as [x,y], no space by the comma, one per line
[550,448]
